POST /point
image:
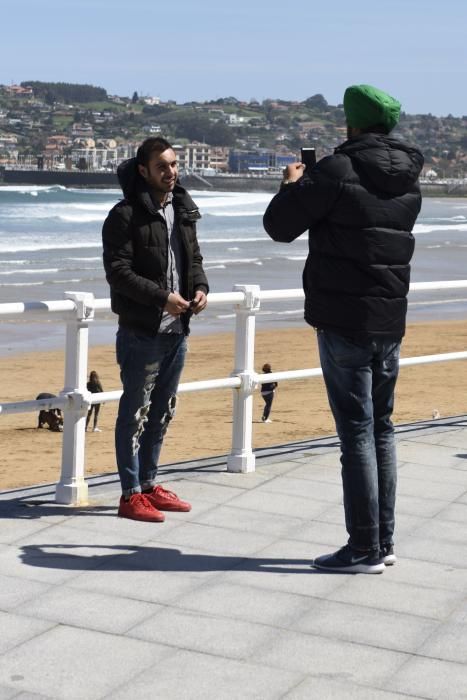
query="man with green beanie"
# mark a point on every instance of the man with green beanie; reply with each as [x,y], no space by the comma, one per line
[359,206]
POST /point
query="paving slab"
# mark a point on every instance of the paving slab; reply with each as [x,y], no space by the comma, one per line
[409,504]
[299,579]
[367,625]
[32,696]
[93,611]
[448,643]
[428,574]
[313,470]
[455,474]
[247,603]
[189,675]
[399,597]
[267,502]
[16,590]
[236,519]
[434,549]
[431,678]
[67,662]
[446,531]
[437,455]
[206,633]
[292,486]
[223,602]
[317,655]
[144,584]
[217,540]
[17,629]
[455,512]
[442,489]
[328,689]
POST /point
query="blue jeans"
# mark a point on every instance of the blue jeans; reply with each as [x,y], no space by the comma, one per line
[150,369]
[360,378]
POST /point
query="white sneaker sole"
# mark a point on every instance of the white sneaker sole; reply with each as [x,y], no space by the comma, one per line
[389,560]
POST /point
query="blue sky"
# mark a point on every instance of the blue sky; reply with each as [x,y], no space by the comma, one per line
[206,49]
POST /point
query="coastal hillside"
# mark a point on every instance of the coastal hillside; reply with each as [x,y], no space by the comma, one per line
[40,120]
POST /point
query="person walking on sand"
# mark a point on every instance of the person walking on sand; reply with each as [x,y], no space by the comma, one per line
[95,387]
[154,268]
[360,206]
[267,394]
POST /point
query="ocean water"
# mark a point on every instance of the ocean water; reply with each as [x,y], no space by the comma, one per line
[50,242]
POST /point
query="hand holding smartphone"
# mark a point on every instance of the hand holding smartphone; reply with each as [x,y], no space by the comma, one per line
[308,157]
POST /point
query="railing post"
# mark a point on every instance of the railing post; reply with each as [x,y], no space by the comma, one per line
[72,489]
[242,458]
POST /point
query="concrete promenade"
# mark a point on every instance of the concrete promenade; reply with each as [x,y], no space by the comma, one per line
[222,602]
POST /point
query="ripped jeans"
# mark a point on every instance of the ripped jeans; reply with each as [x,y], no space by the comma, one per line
[150,369]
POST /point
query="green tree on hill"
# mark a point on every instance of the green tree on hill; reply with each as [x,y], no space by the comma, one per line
[316,102]
[66,92]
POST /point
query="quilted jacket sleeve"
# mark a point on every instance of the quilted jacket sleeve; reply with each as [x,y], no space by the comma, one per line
[118,261]
[301,205]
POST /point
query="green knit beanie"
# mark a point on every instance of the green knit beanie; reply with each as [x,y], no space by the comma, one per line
[365,106]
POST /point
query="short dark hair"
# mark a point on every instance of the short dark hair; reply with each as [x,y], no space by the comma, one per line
[375,129]
[154,144]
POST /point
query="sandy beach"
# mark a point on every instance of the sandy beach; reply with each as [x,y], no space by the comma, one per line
[202,427]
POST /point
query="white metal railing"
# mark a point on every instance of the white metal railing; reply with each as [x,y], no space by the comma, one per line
[78,310]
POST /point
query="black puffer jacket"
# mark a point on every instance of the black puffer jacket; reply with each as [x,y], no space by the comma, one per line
[360,206]
[135,246]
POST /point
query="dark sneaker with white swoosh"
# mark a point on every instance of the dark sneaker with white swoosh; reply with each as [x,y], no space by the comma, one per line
[350,561]
[386,554]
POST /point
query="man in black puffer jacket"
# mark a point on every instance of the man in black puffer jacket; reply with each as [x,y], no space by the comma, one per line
[154,267]
[360,206]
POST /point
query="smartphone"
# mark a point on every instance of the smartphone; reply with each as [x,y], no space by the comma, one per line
[308,156]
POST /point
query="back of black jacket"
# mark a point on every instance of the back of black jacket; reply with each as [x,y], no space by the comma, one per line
[135,243]
[360,206]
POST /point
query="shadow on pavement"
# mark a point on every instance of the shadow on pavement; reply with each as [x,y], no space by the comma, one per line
[32,510]
[145,558]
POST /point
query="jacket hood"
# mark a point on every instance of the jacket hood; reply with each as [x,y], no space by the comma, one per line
[136,189]
[391,165]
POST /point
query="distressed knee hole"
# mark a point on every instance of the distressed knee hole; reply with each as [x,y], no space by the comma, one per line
[141,417]
[169,413]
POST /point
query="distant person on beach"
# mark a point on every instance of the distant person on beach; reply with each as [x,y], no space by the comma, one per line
[360,206]
[154,267]
[267,394]
[95,387]
[50,417]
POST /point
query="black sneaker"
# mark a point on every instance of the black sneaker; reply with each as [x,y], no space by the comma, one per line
[348,560]
[386,554]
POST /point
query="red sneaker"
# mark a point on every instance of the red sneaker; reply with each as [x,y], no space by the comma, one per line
[138,507]
[167,500]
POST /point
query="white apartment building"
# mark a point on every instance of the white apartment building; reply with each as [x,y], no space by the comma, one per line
[8,141]
[152,100]
[84,130]
[193,156]
[219,160]
[97,155]
[8,149]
